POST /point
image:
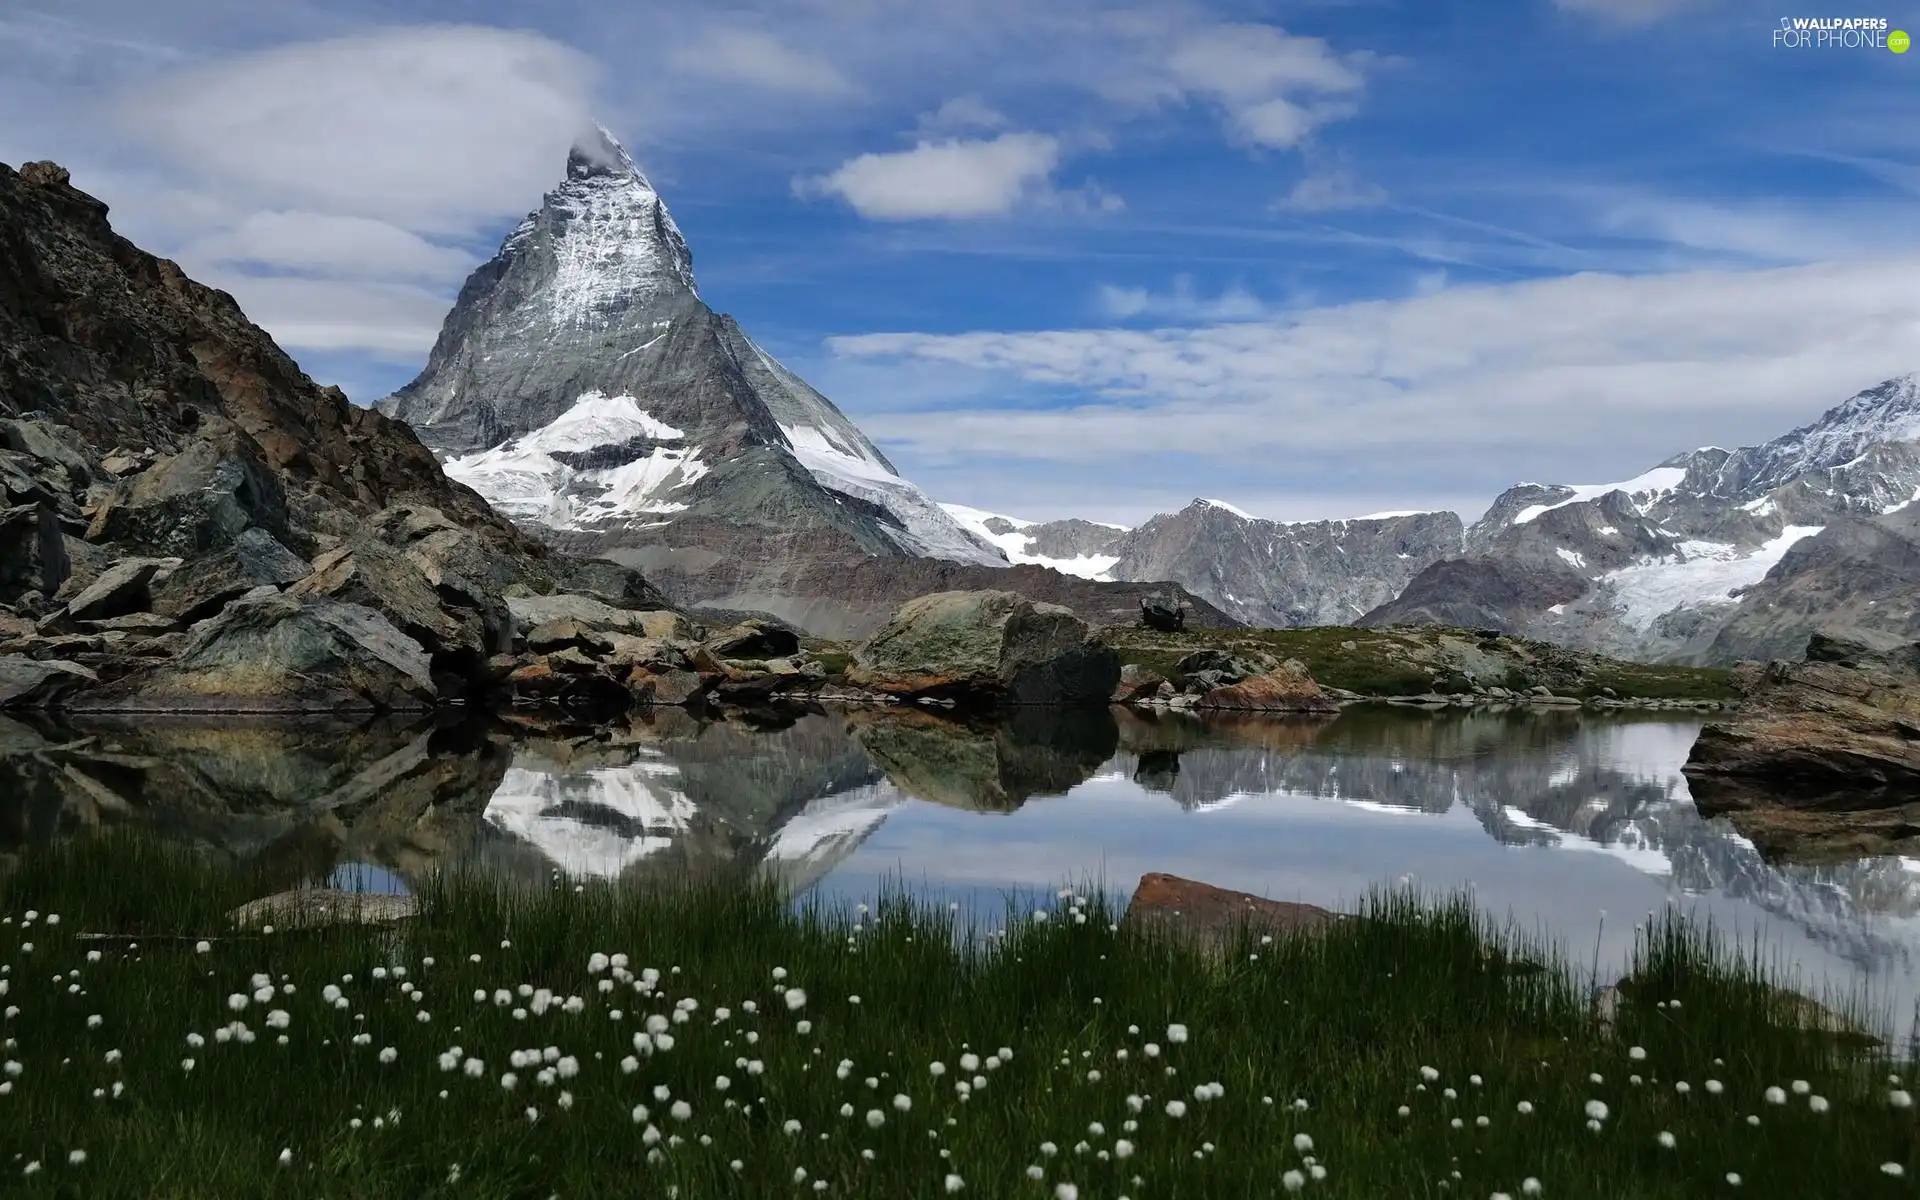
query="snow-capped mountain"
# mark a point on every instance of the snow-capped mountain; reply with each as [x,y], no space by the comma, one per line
[1265,573]
[582,386]
[1655,566]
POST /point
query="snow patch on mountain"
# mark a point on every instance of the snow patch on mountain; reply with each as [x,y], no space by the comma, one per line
[524,480]
[593,823]
[1242,513]
[1642,488]
[850,470]
[614,242]
[1013,543]
[1700,574]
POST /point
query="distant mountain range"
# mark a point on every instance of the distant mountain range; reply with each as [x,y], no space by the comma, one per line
[582,387]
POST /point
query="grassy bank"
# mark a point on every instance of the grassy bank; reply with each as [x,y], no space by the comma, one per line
[1405,661]
[1394,1054]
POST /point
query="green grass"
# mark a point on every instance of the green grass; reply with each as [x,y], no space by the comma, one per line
[1404,661]
[1343,1021]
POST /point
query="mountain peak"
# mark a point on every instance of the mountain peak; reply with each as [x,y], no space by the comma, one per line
[600,154]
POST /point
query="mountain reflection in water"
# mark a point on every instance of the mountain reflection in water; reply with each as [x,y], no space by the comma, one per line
[1550,817]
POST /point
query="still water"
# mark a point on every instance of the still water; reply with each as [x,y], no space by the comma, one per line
[1573,825]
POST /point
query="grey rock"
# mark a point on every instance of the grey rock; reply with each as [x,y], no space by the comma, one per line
[986,647]
[754,640]
[119,590]
[271,652]
[373,574]
[197,500]
[33,556]
[36,683]
[204,585]
[531,611]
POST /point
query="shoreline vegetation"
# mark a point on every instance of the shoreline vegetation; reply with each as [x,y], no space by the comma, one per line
[716,1039]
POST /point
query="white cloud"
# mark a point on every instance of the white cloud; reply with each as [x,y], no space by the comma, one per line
[1330,188]
[349,247]
[387,321]
[1469,385]
[1274,87]
[953,179]
[757,58]
[431,128]
[1181,304]
[960,115]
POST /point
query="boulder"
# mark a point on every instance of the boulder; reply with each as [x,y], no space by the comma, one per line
[36,683]
[1287,688]
[373,574]
[1137,683]
[121,589]
[986,647]
[308,908]
[567,633]
[614,584]
[665,689]
[33,554]
[1211,915]
[759,640]
[1839,731]
[203,586]
[531,611]
[1159,614]
[56,447]
[270,652]
[1218,668]
[653,653]
[197,500]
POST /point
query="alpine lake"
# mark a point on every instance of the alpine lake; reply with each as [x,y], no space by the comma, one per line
[1569,826]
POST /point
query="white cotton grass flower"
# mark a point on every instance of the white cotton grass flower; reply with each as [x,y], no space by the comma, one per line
[1293,1181]
[1892,1168]
[1530,1186]
[1801,1087]
[1429,1075]
[1900,1098]
[1596,1110]
[1065,1191]
[1817,1104]
[1776,1096]
[953,1183]
[1666,1140]
[1637,1053]
[1176,1034]
[1176,1109]
[1302,1143]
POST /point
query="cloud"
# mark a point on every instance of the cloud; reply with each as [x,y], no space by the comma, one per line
[431,127]
[349,247]
[1471,386]
[1331,188]
[759,59]
[953,179]
[1181,304]
[390,322]
[961,114]
[1626,12]
[1274,87]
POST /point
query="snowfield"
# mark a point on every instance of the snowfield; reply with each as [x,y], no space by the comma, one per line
[1014,544]
[1701,574]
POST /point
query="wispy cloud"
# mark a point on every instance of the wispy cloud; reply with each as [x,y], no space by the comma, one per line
[1330,188]
[1628,12]
[1182,303]
[955,179]
[758,59]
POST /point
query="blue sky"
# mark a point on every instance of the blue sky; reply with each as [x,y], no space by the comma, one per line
[1089,259]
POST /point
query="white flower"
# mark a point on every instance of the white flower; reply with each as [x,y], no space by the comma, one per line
[1525,1107]
[1596,1110]
[1048,1150]
[1900,1099]
[1035,1172]
[1293,1181]
[286,1158]
[1176,1034]
[954,1183]
[1065,1191]
[1530,1186]
[1801,1087]
[1302,1143]
[1776,1096]
[279,1018]
[681,1111]
[186,1064]
[1176,1109]
[388,1054]
[1892,1168]
[1429,1074]
[1665,1139]
[1637,1053]
[236,1002]
[875,1118]
[1733,1179]
[796,999]
[1817,1103]
[76,1157]
[936,1069]
[902,1102]
[202,947]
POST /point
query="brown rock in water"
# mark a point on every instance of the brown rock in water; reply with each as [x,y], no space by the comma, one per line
[1211,915]
[1839,732]
[308,907]
[1287,688]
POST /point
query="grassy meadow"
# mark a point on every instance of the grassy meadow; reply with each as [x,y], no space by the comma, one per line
[712,1041]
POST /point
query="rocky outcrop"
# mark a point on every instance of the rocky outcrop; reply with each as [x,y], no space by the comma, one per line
[162,461]
[1480,593]
[1839,731]
[986,648]
[1287,688]
[33,683]
[270,652]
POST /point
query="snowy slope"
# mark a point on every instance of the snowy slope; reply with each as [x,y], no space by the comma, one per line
[1014,542]
[1642,488]
[593,823]
[1702,574]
